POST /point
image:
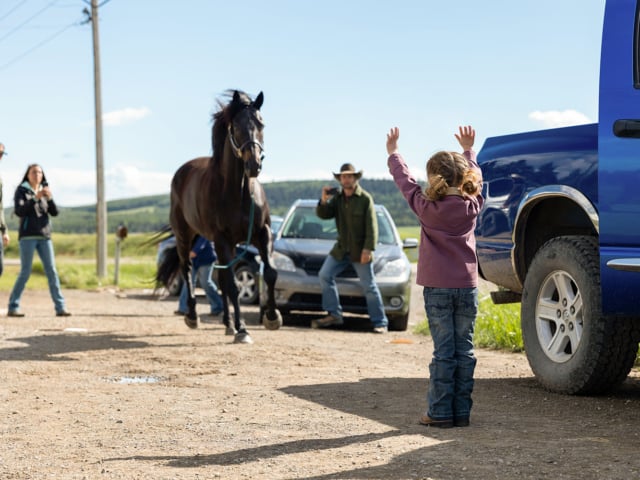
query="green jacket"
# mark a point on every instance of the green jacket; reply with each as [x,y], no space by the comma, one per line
[355,220]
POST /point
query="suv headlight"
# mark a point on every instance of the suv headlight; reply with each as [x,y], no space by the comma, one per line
[283,262]
[393,268]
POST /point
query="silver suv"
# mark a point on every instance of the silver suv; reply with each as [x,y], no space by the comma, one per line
[304,241]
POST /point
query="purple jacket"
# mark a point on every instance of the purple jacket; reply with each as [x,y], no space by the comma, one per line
[447,255]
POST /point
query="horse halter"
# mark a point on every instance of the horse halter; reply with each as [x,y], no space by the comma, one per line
[237,150]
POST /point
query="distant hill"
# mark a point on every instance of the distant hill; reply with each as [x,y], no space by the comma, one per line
[150,213]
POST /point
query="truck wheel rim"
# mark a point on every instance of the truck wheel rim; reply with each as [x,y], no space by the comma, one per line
[559,316]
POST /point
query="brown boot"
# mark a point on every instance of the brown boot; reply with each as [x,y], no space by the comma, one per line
[328,321]
[432,422]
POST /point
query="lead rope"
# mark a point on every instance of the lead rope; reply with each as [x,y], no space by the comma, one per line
[239,257]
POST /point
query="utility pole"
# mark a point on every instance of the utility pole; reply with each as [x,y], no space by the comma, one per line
[101,206]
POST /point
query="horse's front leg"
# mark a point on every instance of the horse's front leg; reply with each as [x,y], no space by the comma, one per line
[229,329]
[191,317]
[273,318]
[242,336]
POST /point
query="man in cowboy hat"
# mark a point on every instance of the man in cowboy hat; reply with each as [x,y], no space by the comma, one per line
[355,217]
[3,224]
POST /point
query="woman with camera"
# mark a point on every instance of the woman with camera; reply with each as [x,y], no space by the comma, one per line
[33,203]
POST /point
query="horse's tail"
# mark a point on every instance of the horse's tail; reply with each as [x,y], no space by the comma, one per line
[169,267]
[161,235]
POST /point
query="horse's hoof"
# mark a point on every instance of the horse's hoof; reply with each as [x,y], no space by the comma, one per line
[230,331]
[274,324]
[243,337]
[191,322]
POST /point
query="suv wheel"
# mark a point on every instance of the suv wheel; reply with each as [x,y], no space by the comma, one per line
[175,286]
[398,323]
[247,285]
[570,346]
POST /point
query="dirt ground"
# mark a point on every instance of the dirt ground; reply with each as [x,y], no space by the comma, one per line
[124,390]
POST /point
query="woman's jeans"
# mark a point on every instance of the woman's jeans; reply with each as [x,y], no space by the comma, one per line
[204,277]
[1,256]
[451,313]
[331,298]
[44,246]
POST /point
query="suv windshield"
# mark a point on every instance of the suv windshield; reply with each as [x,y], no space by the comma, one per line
[304,223]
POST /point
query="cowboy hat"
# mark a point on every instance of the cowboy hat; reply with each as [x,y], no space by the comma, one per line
[348,168]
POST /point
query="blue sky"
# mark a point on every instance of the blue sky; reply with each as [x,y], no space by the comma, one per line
[336,76]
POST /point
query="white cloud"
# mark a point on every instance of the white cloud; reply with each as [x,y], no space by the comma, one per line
[126,181]
[72,188]
[556,118]
[124,116]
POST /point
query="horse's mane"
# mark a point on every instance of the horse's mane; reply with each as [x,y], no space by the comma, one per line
[222,118]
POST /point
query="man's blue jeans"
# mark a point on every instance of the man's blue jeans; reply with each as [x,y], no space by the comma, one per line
[451,313]
[331,298]
[44,247]
[203,274]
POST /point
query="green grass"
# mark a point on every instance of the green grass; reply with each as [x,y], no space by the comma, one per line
[410,232]
[498,326]
[77,266]
[75,275]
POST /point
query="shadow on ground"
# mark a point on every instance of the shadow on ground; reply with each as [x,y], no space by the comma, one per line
[518,431]
[52,347]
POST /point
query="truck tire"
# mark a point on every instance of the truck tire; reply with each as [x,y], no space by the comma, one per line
[570,346]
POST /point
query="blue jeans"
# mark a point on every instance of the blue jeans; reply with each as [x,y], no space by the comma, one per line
[204,277]
[331,298]
[1,256]
[44,246]
[451,313]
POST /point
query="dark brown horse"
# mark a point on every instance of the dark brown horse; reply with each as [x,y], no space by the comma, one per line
[220,198]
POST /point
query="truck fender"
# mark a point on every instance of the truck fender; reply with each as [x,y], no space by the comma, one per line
[525,245]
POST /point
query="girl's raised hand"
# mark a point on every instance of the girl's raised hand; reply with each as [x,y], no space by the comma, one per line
[392,140]
[467,137]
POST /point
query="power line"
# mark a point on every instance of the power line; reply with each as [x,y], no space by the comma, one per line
[15,29]
[13,9]
[35,47]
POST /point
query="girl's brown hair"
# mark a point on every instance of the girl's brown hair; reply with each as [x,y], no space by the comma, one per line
[450,169]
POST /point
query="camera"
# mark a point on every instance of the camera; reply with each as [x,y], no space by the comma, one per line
[333,191]
[44,184]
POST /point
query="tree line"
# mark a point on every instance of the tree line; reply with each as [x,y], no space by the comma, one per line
[150,213]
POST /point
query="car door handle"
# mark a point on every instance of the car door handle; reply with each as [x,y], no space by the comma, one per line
[627,128]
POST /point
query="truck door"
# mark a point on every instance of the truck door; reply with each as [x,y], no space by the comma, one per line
[619,159]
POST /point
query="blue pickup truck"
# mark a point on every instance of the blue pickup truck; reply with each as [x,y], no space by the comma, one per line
[560,230]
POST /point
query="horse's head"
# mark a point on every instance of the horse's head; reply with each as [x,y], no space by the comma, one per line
[245,132]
